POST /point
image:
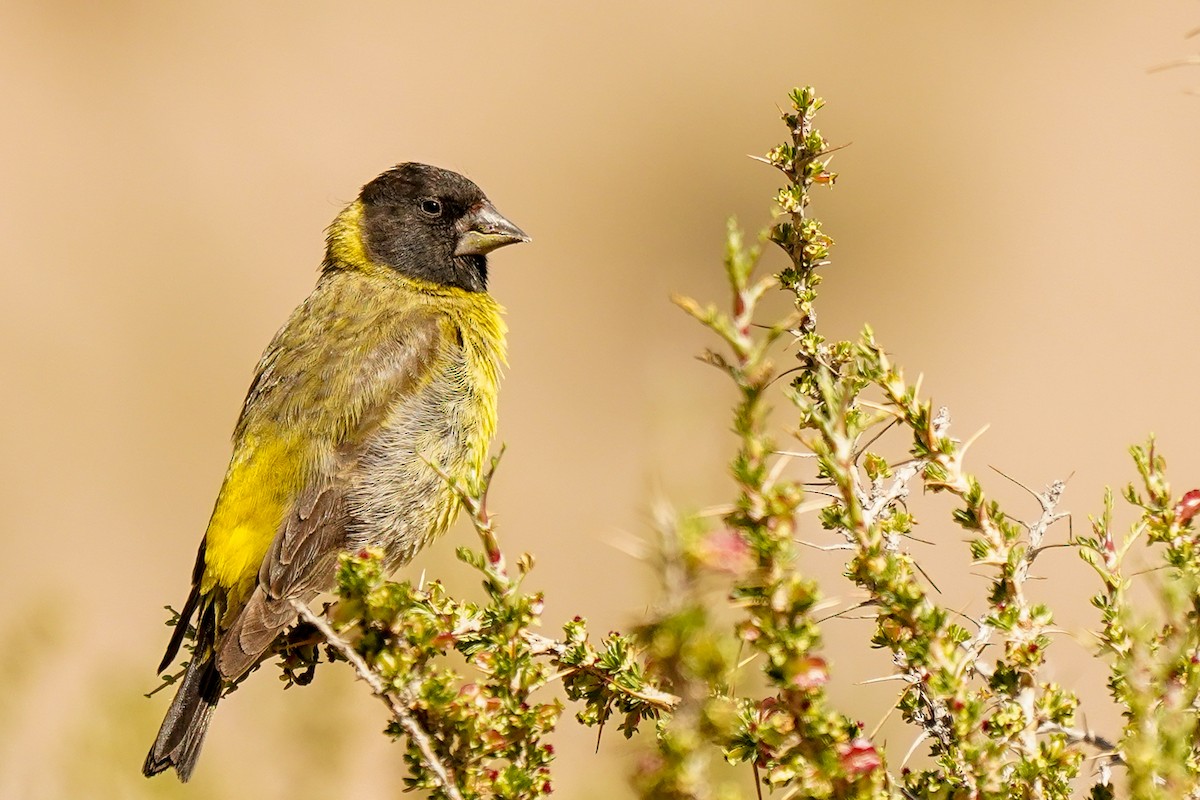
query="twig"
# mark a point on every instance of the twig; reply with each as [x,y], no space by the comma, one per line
[541,645]
[415,732]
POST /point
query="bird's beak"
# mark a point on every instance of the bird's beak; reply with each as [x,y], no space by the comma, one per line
[483,229]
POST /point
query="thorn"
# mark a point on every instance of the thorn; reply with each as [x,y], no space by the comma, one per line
[1182,62]
[748,659]
[825,548]
[630,546]
[886,717]
[883,679]
[717,511]
[793,454]
[1010,478]
[967,444]
[922,736]
[888,409]
[926,574]
[847,610]
[875,438]
[810,506]
[831,150]
[776,471]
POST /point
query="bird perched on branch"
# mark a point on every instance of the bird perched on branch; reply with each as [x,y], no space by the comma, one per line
[388,369]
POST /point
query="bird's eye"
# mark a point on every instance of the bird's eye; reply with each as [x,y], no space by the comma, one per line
[431,207]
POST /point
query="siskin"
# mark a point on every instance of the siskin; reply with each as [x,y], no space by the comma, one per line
[390,366]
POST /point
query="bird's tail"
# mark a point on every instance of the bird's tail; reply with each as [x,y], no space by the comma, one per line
[183,729]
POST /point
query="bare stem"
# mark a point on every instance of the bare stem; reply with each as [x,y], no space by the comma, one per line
[415,732]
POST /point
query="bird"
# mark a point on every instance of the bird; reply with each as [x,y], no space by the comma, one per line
[379,386]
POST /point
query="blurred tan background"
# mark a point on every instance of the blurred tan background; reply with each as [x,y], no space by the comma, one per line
[1017,217]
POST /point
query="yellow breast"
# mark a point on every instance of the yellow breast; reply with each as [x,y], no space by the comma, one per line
[398,499]
[283,444]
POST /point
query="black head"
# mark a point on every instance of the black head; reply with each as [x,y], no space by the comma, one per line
[433,224]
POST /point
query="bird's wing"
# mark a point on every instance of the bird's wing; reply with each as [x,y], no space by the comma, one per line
[301,559]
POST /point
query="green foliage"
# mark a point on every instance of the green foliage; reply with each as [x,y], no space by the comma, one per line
[791,735]
[1155,662]
[993,725]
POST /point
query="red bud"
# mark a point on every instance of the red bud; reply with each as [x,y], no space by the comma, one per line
[1188,506]
[811,673]
[859,756]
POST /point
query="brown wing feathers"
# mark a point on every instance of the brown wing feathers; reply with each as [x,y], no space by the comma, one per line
[302,561]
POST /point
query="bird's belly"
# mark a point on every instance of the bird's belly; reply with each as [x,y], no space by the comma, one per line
[398,501]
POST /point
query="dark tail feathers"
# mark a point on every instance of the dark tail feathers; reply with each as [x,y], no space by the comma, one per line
[183,729]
